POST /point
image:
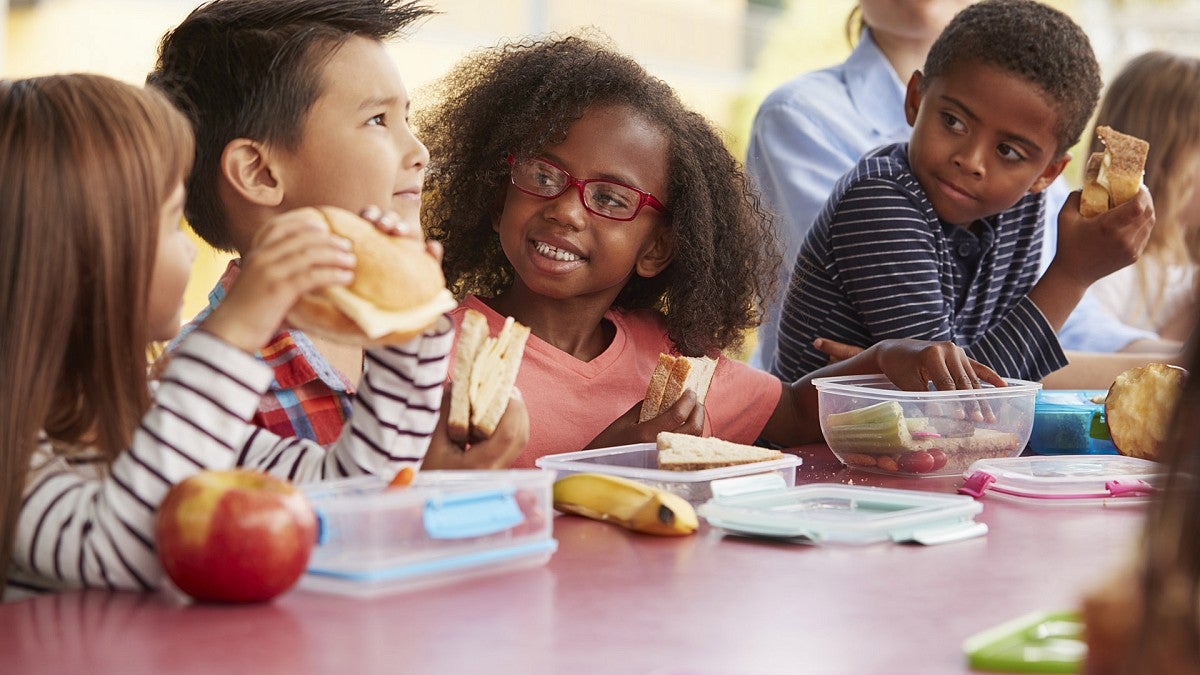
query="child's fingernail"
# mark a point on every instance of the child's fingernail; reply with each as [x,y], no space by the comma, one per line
[516,393]
[343,276]
[348,259]
[371,212]
[391,221]
[343,243]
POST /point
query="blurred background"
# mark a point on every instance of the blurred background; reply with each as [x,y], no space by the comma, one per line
[723,56]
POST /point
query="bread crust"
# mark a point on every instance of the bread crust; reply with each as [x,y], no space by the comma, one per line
[658,384]
[471,334]
[485,370]
[1094,199]
[672,376]
[1125,163]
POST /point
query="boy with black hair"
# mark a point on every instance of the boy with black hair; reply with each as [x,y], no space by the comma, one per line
[939,238]
[296,103]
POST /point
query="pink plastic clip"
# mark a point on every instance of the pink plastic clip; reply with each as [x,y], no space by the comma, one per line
[977,483]
[1135,488]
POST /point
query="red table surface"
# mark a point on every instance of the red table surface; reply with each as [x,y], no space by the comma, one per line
[611,601]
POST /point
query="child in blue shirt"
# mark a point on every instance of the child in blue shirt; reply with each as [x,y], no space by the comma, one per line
[939,238]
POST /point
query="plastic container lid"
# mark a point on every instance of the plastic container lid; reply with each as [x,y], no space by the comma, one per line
[1040,642]
[1066,480]
[832,512]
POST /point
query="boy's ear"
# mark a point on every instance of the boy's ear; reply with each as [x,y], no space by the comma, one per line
[912,97]
[1051,172]
[658,253]
[246,166]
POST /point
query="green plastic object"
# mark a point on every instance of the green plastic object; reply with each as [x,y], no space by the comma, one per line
[1040,642]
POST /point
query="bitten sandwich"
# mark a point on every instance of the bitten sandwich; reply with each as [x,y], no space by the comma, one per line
[485,369]
[672,376]
[1113,177]
[398,289]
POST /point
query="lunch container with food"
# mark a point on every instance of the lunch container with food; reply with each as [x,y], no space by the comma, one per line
[1070,422]
[447,525]
[640,462]
[871,424]
[762,506]
[1065,480]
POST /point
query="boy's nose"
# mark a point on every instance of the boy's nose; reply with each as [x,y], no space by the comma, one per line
[969,158]
[413,153]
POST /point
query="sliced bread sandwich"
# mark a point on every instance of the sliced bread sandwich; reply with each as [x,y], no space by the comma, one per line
[683,452]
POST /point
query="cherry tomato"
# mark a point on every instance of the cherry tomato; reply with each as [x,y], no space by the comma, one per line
[939,458]
[916,462]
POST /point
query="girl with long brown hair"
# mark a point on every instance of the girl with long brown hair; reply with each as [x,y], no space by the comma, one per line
[1156,96]
[94,263]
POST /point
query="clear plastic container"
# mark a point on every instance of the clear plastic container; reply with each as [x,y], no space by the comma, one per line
[872,425]
[446,526]
[1065,480]
[1070,422]
[640,462]
[846,514]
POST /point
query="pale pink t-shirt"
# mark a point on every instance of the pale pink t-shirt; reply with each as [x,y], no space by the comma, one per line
[571,401]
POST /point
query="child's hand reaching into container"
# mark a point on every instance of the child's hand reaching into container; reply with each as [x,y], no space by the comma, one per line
[915,364]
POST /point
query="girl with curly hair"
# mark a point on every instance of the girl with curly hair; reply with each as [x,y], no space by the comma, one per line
[576,193]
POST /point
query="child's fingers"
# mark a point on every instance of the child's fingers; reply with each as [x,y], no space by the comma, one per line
[836,351]
[434,249]
[389,222]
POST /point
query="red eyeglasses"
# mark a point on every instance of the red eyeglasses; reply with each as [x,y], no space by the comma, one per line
[605,198]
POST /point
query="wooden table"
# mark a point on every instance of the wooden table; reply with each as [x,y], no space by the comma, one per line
[614,602]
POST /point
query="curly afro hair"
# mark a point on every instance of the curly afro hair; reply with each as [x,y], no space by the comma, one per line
[519,98]
[1030,40]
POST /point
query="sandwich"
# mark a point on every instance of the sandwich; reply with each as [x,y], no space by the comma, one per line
[683,452]
[398,289]
[485,369]
[672,376]
[1113,177]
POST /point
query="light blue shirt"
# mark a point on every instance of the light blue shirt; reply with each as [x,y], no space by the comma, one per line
[814,128]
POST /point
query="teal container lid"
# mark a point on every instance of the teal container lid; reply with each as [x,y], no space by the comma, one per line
[835,513]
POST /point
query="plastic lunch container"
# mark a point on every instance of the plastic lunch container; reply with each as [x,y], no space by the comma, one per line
[640,462]
[1065,480]
[447,525]
[763,506]
[1070,422]
[872,425]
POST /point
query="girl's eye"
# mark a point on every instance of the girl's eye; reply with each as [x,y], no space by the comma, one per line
[609,198]
[1009,152]
[376,121]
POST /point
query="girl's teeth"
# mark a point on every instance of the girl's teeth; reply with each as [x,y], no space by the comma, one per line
[556,253]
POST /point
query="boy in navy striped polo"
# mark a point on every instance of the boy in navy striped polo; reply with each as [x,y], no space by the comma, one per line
[939,238]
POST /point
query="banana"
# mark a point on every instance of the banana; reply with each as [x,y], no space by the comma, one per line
[630,504]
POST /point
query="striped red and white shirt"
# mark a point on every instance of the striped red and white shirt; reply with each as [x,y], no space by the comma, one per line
[83,527]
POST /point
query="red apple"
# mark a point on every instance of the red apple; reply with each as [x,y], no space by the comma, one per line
[235,536]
